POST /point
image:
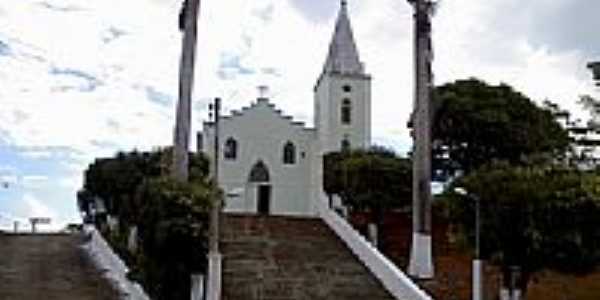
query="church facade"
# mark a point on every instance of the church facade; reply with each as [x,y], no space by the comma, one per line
[272,165]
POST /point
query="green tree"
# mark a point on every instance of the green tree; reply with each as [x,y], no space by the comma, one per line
[582,133]
[374,180]
[171,217]
[173,231]
[475,122]
[534,217]
[590,104]
[115,180]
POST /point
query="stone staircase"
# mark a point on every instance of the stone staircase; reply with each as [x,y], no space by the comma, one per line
[289,258]
[49,267]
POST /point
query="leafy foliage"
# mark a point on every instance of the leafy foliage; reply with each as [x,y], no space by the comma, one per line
[535,216]
[475,123]
[115,180]
[591,104]
[171,217]
[173,230]
[375,179]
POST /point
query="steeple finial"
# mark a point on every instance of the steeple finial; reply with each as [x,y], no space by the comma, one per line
[343,54]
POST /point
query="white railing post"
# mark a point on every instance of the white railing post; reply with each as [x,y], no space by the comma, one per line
[197,287]
[214,276]
[477,282]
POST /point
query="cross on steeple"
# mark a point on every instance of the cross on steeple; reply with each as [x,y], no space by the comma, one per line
[344,3]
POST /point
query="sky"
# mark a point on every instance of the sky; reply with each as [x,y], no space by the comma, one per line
[85,79]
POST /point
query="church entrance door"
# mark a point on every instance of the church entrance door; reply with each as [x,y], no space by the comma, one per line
[264,199]
[260,180]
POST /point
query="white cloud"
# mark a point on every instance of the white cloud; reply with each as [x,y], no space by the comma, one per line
[8,176]
[30,182]
[107,54]
[7,221]
[71,182]
[36,208]
[118,115]
[7,180]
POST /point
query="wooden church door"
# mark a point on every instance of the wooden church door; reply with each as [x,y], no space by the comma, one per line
[264,199]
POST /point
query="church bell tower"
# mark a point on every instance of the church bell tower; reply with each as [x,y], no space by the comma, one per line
[342,107]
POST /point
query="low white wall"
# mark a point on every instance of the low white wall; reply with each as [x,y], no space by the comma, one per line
[111,264]
[392,278]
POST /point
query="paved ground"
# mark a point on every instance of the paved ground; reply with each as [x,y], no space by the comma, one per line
[48,267]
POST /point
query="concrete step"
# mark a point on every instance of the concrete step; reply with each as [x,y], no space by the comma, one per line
[290,258]
[49,267]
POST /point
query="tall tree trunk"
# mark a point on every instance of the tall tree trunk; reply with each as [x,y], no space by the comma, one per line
[421,261]
[188,19]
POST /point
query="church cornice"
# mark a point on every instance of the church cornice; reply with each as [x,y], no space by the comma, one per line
[340,76]
[237,113]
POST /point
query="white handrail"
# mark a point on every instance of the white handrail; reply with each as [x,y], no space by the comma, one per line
[390,276]
[111,264]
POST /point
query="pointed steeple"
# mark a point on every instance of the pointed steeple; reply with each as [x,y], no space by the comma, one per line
[343,55]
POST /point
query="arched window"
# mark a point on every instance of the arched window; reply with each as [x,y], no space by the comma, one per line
[289,153]
[230,151]
[259,173]
[347,88]
[346,111]
[345,144]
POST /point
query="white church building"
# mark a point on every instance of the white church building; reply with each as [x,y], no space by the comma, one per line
[273,164]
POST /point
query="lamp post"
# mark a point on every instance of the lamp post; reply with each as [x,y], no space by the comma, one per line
[477,263]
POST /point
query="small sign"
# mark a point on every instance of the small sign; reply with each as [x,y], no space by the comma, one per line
[40,220]
[234,193]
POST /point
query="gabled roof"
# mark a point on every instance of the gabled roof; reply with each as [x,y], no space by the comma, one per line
[343,55]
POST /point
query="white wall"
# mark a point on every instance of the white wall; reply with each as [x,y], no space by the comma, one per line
[329,96]
[261,132]
[114,269]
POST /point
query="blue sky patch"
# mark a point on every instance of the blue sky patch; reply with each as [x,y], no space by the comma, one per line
[5,49]
[230,66]
[158,97]
[34,175]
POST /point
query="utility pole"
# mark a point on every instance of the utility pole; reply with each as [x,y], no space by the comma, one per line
[188,24]
[188,19]
[421,261]
[214,256]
